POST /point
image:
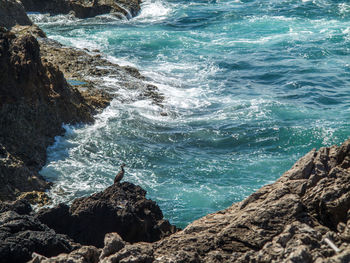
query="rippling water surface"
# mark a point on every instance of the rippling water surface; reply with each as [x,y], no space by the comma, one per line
[250,87]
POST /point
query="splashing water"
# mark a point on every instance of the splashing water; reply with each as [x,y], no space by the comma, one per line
[250,87]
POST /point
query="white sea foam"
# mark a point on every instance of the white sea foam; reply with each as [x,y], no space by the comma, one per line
[154,11]
[39,18]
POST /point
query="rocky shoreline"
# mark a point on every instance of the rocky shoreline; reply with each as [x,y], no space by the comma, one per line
[35,104]
[303,217]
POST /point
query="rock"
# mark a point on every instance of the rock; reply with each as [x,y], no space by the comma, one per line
[35,100]
[33,30]
[137,253]
[287,221]
[85,254]
[121,208]
[21,207]
[89,70]
[21,235]
[84,8]
[112,244]
[36,198]
[12,13]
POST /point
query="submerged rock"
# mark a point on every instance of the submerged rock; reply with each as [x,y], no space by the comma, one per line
[121,208]
[84,8]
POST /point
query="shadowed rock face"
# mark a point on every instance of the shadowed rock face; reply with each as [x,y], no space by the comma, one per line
[12,13]
[83,8]
[121,208]
[21,234]
[35,100]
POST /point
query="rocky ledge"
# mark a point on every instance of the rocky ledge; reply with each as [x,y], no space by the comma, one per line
[302,217]
[84,8]
[121,209]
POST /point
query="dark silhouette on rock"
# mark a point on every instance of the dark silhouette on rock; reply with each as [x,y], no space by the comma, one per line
[120,175]
[121,208]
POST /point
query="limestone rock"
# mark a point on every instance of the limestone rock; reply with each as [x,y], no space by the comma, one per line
[121,208]
[112,244]
[85,254]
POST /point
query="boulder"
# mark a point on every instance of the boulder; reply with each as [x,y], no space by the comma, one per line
[21,207]
[21,235]
[121,208]
[12,13]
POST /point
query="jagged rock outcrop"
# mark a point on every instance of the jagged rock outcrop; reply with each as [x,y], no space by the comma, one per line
[84,8]
[121,208]
[21,234]
[89,68]
[12,13]
[35,100]
[296,219]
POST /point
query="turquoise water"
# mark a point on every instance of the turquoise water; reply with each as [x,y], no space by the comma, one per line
[250,87]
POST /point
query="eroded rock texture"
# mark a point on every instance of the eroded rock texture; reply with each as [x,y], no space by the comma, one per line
[91,69]
[290,220]
[21,234]
[121,208]
[35,100]
[84,8]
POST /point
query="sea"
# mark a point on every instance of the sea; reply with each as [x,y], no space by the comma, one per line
[250,86]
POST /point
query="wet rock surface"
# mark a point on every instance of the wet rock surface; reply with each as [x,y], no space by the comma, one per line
[84,8]
[121,208]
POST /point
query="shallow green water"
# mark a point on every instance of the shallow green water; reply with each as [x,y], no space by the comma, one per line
[250,87]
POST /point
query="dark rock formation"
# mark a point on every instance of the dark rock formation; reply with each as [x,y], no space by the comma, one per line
[296,219]
[35,100]
[21,207]
[12,13]
[22,234]
[83,8]
[121,208]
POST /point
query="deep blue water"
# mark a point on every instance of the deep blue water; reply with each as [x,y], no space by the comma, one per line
[250,87]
